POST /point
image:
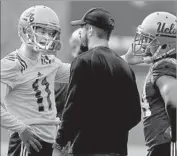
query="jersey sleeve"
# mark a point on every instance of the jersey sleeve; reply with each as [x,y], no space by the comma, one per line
[63,72]
[10,70]
[165,67]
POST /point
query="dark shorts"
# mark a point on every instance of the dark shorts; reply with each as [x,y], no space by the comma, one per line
[160,150]
[17,148]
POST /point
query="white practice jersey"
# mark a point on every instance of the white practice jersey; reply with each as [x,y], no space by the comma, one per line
[31,97]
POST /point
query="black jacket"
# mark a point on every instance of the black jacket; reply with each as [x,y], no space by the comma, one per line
[102,105]
[60,97]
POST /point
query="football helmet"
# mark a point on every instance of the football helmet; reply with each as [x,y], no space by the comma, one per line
[40,16]
[156,36]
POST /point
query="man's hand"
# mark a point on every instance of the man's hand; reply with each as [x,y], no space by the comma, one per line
[167,133]
[57,152]
[131,59]
[30,140]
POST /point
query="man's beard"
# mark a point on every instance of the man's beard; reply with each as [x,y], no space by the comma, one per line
[83,49]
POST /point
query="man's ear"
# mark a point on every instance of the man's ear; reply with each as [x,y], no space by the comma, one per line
[80,34]
[90,31]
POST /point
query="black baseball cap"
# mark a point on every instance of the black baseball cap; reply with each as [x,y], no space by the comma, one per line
[98,17]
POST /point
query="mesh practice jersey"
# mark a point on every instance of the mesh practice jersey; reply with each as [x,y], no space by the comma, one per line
[31,97]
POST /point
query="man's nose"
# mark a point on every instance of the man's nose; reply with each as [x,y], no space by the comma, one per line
[47,36]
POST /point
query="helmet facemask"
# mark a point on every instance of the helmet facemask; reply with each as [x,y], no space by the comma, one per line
[144,44]
[41,42]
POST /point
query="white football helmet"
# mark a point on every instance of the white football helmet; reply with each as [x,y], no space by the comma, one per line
[40,16]
[156,36]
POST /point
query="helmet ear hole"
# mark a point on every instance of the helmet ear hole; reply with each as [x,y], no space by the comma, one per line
[164,46]
[24,30]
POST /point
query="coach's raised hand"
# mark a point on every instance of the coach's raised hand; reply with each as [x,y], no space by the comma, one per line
[30,140]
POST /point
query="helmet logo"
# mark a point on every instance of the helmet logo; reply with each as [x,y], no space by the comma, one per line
[30,17]
[162,29]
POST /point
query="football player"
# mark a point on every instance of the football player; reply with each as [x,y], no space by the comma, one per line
[155,43]
[28,74]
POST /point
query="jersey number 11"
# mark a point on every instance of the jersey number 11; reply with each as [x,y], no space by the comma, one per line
[38,94]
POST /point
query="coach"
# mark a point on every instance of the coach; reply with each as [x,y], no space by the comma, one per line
[103,101]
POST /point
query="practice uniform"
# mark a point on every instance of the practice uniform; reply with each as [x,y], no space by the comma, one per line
[31,97]
[156,121]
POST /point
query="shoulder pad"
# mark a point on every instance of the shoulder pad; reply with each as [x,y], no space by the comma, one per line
[165,63]
[10,63]
[14,59]
[164,67]
[9,71]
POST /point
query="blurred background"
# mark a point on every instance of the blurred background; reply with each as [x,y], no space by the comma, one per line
[127,14]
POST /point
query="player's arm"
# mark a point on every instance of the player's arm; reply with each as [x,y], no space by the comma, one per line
[9,121]
[9,76]
[10,70]
[63,72]
[168,89]
[164,77]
